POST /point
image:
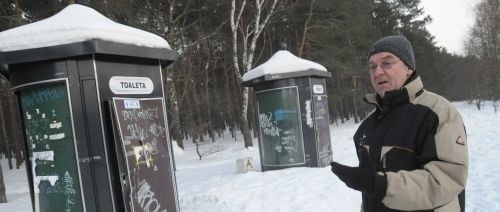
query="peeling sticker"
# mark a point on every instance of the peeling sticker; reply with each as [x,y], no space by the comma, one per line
[143,154]
[131,104]
[56,136]
[56,125]
[38,179]
[308,113]
[45,155]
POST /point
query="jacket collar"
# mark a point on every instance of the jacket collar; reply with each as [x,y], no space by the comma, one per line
[412,88]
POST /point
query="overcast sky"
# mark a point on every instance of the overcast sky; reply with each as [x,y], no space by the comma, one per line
[452,20]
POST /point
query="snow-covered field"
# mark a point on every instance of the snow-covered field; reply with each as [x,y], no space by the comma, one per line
[212,184]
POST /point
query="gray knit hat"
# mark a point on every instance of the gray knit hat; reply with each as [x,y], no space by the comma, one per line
[397,45]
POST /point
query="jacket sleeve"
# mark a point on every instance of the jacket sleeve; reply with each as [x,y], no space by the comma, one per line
[443,165]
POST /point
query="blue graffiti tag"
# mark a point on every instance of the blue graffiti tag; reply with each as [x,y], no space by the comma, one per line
[280,114]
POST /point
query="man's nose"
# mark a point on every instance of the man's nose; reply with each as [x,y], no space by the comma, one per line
[378,70]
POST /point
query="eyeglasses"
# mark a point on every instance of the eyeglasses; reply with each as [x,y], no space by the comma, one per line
[384,65]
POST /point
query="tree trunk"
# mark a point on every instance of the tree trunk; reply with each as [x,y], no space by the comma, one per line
[8,151]
[354,101]
[235,102]
[16,128]
[245,130]
[253,116]
[201,127]
[210,127]
[354,98]
[171,94]
[238,113]
[3,195]
[250,32]
[304,30]
[197,149]
[494,85]
[342,112]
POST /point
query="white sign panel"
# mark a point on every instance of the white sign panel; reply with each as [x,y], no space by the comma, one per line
[131,85]
[132,104]
[318,89]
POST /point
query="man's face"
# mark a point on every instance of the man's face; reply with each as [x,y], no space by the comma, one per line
[387,72]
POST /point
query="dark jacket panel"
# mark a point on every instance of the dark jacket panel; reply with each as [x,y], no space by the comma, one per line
[417,139]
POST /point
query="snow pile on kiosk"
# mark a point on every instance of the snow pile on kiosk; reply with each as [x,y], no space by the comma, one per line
[74,24]
[282,62]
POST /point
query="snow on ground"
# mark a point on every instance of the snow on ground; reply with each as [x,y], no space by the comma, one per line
[212,184]
[16,186]
[483,133]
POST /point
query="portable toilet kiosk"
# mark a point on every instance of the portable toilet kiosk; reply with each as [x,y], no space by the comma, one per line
[292,109]
[92,107]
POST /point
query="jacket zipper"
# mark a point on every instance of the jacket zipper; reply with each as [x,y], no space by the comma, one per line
[383,163]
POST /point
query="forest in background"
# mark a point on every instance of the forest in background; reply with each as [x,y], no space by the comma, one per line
[218,41]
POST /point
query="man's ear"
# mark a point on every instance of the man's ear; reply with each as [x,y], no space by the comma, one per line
[409,72]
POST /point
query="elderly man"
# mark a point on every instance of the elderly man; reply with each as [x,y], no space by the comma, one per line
[412,148]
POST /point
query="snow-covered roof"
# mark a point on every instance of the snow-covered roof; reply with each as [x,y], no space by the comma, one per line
[282,62]
[74,24]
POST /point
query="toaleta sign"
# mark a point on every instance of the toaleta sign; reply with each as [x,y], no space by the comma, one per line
[131,85]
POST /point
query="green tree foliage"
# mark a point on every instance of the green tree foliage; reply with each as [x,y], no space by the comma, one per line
[403,17]
[204,93]
[343,50]
[9,15]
